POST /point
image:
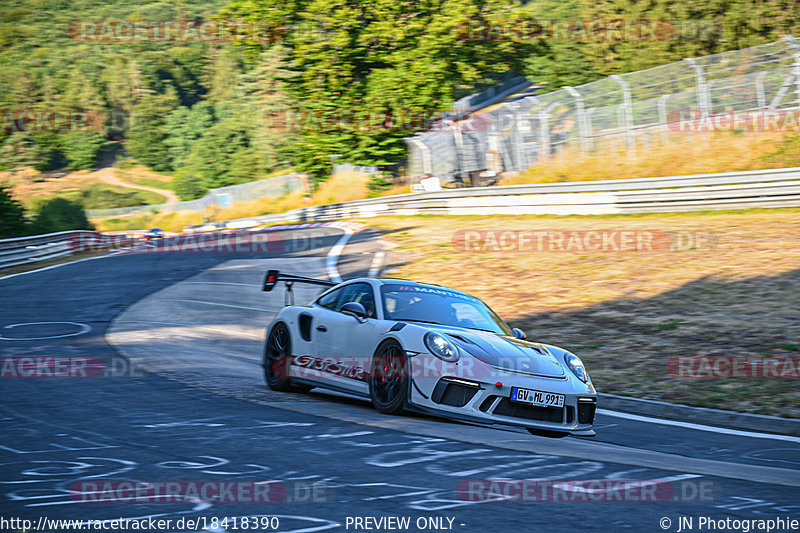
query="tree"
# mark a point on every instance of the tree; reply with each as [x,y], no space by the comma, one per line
[12,216]
[147,133]
[360,66]
[213,154]
[81,148]
[183,128]
[60,214]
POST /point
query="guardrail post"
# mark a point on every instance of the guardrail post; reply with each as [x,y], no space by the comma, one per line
[662,117]
[427,168]
[459,142]
[795,48]
[580,113]
[761,97]
[703,98]
[544,133]
[626,112]
[589,127]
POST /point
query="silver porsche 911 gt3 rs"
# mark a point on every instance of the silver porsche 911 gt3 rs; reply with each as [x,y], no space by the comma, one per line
[427,348]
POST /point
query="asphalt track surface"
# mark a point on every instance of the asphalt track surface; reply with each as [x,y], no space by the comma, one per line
[194,409]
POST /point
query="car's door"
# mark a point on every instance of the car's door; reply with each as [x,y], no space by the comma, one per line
[346,340]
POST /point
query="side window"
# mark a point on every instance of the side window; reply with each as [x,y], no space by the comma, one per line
[360,293]
[329,300]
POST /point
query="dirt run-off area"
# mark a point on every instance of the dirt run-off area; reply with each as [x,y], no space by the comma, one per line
[733,291]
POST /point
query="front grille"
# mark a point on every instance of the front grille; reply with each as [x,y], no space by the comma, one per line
[570,414]
[586,412]
[487,402]
[454,394]
[531,412]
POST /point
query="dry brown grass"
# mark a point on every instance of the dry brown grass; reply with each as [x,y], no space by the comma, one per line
[168,221]
[689,154]
[26,185]
[626,314]
[342,187]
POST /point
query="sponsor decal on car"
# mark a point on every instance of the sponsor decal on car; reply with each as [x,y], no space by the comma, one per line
[330,366]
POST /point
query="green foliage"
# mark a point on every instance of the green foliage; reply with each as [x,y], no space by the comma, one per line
[101,197]
[358,67]
[60,214]
[81,148]
[21,150]
[696,29]
[379,182]
[352,71]
[147,134]
[184,126]
[188,185]
[12,216]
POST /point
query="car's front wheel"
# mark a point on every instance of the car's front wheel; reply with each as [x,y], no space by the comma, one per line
[277,353]
[388,378]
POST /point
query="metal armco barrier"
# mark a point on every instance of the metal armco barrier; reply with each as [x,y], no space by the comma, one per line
[730,190]
[26,250]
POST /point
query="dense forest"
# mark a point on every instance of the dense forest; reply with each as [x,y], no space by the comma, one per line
[297,83]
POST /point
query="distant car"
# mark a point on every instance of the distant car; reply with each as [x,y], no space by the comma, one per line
[427,348]
[153,234]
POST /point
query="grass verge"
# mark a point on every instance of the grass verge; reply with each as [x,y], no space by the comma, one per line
[682,155]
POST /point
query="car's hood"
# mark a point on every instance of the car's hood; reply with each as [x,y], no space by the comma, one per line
[503,351]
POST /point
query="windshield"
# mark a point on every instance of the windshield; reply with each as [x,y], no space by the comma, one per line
[439,306]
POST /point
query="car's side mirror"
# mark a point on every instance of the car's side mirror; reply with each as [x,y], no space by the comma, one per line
[355,309]
[518,333]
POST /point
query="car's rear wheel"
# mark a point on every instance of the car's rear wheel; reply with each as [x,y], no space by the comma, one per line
[388,378]
[277,352]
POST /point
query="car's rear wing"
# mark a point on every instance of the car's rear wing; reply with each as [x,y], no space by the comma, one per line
[273,277]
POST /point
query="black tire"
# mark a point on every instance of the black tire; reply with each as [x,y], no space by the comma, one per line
[547,433]
[388,378]
[277,351]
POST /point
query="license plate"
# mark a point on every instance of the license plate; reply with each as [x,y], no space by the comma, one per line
[537,397]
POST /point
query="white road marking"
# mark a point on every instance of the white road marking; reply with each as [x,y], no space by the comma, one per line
[333,255]
[229,305]
[52,266]
[375,267]
[699,427]
[84,328]
[193,326]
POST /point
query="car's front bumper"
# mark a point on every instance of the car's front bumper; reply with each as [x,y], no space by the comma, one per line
[488,400]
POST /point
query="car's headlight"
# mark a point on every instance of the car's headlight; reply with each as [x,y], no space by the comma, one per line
[576,365]
[441,347]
